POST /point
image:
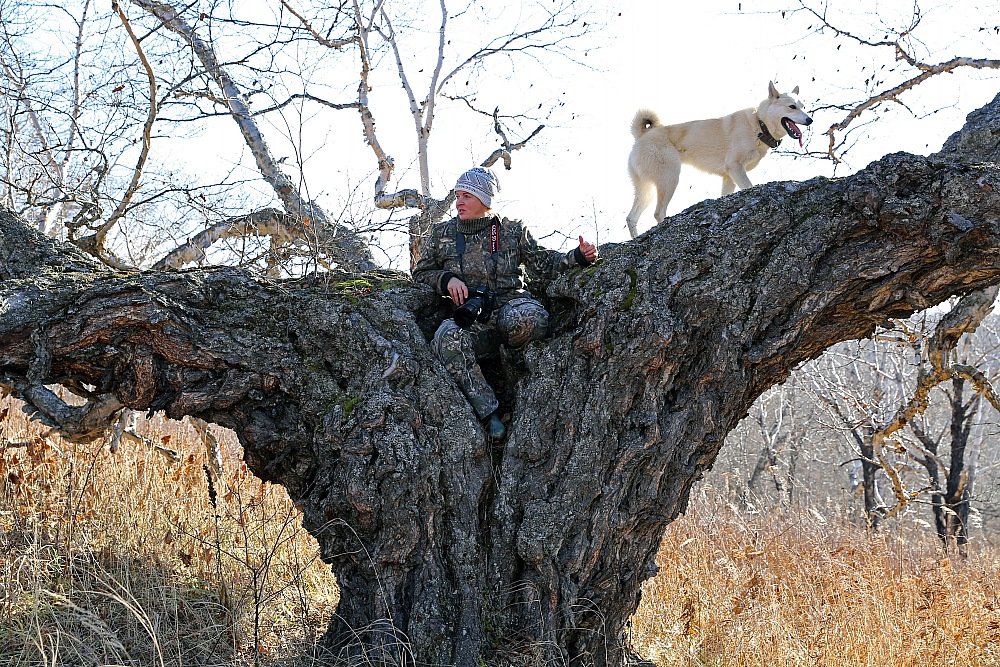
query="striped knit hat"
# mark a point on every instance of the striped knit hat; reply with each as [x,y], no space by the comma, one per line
[481,182]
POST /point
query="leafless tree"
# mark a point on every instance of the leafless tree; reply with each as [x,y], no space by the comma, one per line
[898,411]
[951,486]
[428,81]
[780,435]
[63,118]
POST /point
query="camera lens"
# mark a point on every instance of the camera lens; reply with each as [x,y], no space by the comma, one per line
[466,314]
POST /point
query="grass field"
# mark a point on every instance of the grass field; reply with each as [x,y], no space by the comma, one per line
[799,590]
[130,558]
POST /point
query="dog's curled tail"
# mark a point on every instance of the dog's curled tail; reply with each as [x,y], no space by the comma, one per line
[644,120]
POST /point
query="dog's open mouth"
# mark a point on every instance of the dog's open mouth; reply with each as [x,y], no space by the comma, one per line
[792,129]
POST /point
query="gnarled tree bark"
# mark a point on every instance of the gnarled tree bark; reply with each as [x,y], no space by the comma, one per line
[541,545]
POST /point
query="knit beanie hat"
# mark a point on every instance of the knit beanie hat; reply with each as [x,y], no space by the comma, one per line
[481,182]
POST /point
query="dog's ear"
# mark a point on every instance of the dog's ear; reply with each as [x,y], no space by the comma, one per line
[772,91]
[795,90]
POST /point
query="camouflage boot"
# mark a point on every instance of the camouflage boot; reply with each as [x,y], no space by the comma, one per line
[495,429]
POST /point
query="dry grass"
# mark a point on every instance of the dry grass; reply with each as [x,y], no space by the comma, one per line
[117,559]
[122,559]
[798,590]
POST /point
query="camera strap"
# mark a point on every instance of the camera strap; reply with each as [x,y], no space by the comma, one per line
[495,236]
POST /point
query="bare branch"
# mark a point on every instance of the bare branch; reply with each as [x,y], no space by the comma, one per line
[311,98]
[386,164]
[94,243]
[507,148]
[892,94]
[901,54]
[325,41]
[78,423]
[964,318]
[418,112]
[279,225]
[353,255]
[521,42]
[124,428]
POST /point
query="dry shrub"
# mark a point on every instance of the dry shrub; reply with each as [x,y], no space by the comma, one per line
[799,590]
[126,558]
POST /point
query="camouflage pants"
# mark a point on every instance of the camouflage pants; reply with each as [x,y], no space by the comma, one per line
[516,323]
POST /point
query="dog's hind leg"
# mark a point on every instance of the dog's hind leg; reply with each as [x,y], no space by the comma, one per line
[643,195]
[665,192]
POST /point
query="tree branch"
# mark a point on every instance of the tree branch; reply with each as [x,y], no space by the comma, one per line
[892,94]
[325,41]
[965,317]
[94,243]
[353,253]
[901,53]
[655,354]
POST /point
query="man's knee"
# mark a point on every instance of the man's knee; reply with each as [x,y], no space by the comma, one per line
[522,321]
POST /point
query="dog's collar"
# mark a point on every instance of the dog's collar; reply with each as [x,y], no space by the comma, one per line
[765,136]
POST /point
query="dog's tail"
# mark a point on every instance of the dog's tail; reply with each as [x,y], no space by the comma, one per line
[644,120]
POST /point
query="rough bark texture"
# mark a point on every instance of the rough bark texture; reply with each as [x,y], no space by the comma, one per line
[657,352]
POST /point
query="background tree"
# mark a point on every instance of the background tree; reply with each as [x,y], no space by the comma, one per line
[951,490]
[776,419]
[94,122]
[846,401]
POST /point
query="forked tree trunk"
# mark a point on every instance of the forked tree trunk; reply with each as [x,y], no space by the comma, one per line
[952,498]
[956,508]
[466,554]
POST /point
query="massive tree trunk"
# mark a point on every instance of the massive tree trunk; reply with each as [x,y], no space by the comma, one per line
[468,552]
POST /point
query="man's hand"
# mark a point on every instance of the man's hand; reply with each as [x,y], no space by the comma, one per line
[588,250]
[458,291]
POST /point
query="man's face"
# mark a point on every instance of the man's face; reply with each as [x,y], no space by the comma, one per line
[469,206]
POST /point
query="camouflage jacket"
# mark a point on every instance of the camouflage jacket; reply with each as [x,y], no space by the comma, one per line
[503,271]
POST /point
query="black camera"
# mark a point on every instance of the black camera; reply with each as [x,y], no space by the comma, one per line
[478,306]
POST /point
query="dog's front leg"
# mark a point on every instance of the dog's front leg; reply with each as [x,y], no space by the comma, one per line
[735,174]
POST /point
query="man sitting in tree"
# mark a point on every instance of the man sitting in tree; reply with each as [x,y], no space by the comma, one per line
[478,260]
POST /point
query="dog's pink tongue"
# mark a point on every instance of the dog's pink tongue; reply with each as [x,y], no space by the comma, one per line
[796,132]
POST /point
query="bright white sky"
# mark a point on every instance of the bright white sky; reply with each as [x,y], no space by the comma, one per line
[686,62]
[699,63]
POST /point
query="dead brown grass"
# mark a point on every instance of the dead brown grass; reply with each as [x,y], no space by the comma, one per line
[799,590]
[123,559]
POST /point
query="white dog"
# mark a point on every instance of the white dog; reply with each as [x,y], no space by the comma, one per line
[729,146]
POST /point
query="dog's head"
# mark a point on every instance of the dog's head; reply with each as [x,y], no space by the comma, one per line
[782,113]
